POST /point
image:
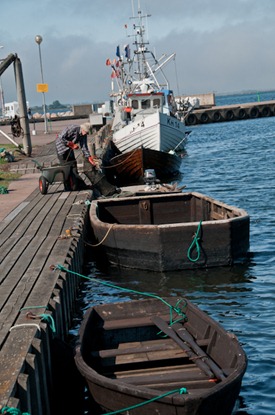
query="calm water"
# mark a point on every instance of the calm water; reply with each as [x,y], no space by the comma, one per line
[232,162]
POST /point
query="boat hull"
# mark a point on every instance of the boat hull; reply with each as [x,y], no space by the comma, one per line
[156,232]
[129,167]
[126,362]
[157,131]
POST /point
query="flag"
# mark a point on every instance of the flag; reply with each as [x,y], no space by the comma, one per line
[113,74]
[118,52]
[127,51]
[108,62]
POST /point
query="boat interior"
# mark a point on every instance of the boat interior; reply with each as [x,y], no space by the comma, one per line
[164,209]
[142,351]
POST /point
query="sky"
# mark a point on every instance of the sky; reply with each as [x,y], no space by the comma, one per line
[221,46]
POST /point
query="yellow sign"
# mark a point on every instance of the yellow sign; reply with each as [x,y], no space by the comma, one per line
[42,87]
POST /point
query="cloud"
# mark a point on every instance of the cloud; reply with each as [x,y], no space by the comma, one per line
[220,46]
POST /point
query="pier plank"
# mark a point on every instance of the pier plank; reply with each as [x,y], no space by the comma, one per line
[28,255]
[31,242]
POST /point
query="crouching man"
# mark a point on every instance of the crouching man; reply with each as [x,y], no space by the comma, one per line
[70,139]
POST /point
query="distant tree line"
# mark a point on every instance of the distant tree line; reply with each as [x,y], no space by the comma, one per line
[54,106]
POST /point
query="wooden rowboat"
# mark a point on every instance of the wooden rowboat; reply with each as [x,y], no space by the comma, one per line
[169,231]
[197,369]
[129,167]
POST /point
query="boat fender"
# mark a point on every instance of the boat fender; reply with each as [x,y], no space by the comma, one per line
[266,112]
[254,112]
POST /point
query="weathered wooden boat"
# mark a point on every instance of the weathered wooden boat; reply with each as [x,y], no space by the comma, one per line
[167,232]
[129,168]
[197,369]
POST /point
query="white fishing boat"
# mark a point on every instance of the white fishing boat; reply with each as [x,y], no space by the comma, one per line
[145,111]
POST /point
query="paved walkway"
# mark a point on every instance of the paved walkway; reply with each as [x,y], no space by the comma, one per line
[20,189]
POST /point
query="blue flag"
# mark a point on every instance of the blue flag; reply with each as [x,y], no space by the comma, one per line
[127,51]
[117,52]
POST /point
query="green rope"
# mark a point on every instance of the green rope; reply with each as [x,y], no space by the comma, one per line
[195,245]
[44,317]
[129,408]
[3,190]
[33,306]
[49,319]
[12,411]
[176,308]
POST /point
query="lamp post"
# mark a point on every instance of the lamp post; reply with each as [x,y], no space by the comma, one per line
[2,94]
[38,40]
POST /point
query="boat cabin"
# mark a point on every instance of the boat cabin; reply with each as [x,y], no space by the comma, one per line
[139,104]
[149,102]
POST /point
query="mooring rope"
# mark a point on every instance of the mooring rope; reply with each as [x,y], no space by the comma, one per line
[138,405]
[48,318]
[177,309]
[195,245]
[103,239]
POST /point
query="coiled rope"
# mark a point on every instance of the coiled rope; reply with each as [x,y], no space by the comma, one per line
[3,190]
[195,245]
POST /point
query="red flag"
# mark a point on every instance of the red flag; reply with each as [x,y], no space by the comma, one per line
[108,62]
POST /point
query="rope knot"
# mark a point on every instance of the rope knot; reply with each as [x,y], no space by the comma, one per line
[195,245]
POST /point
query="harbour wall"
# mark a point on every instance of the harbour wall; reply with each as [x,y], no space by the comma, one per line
[231,113]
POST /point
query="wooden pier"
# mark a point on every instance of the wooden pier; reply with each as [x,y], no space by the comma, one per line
[42,231]
[231,112]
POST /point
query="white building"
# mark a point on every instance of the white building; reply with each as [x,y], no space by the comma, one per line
[12,109]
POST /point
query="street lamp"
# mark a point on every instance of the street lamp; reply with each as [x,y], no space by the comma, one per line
[2,94]
[38,40]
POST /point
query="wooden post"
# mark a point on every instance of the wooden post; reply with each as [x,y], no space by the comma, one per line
[27,145]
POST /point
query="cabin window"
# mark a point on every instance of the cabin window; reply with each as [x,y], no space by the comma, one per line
[135,104]
[156,103]
[145,104]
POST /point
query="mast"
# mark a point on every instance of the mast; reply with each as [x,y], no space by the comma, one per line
[137,71]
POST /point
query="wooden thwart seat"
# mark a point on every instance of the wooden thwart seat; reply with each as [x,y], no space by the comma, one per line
[181,336]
